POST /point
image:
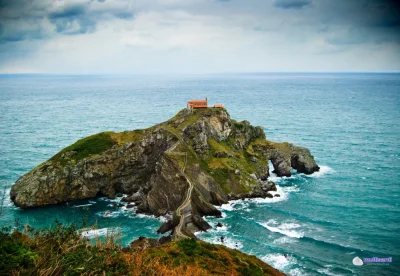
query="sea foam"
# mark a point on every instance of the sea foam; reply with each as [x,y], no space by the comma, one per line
[323,170]
[91,233]
[7,201]
[83,205]
[279,261]
[284,228]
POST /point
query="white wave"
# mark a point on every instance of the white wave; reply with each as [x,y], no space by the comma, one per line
[214,229]
[83,205]
[279,261]
[227,206]
[7,201]
[115,200]
[160,218]
[91,233]
[272,221]
[284,229]
[140,215]
[284,239]
[110,214]
[326,271]
[298,272]
[323,170]
[277,179]
[223,228]
[233,205]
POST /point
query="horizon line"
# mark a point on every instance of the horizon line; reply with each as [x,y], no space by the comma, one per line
[194,74]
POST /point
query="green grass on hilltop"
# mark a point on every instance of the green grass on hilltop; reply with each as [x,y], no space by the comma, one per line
[94,144]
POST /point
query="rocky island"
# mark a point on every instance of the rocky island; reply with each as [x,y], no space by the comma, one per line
[182,167]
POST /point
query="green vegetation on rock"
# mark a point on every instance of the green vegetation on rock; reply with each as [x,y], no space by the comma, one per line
[94,144]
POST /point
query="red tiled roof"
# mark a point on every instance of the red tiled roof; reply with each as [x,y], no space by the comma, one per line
[197,101]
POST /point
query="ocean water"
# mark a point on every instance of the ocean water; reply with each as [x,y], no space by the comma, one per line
[350,122]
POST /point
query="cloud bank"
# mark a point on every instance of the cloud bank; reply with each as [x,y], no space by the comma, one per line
[198,36]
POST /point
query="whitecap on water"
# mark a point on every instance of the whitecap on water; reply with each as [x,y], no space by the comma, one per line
[83,205]
[91,233]
[116,199]
[283,240]
[297,272]
[286,229]
[160,218]
[279,261]
[7,201]
[234,205]
[110,214]
[227,206]
[215,229]
[326,271]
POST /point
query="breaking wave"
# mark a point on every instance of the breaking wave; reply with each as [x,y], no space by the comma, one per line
[286,229]
[279,261]
[91,233]
[323,170]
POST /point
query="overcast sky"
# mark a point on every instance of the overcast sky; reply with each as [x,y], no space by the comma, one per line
[198,36]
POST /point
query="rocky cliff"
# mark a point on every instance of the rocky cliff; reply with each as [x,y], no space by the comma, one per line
[183,167]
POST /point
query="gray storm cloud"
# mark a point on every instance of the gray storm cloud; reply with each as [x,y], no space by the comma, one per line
[215,35]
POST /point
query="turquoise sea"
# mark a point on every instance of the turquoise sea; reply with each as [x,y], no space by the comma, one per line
[350,122]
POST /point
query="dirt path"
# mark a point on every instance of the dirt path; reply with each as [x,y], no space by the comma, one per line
[178,234]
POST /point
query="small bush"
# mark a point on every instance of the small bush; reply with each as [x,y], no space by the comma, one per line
[14,255]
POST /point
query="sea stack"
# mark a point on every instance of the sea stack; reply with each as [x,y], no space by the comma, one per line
[184,166]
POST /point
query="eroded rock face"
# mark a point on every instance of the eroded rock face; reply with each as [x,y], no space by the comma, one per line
[215,127]
[295,157]
[123,169]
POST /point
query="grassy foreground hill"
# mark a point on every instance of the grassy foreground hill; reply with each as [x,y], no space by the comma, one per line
[61,250]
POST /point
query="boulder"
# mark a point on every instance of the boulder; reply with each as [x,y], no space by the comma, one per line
[222,154]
